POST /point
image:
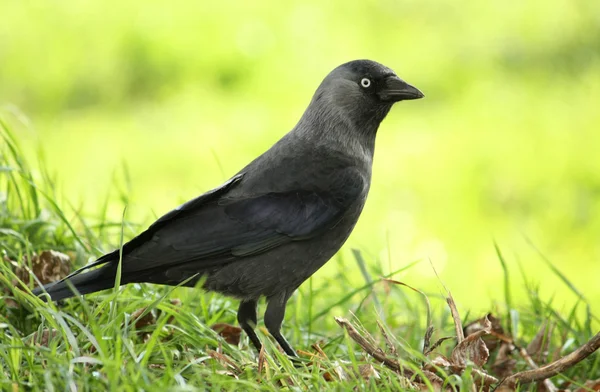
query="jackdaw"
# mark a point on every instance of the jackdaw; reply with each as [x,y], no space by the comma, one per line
[279,219]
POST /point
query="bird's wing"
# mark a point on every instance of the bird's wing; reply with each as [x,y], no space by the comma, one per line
[195,203]
[161,222]
[240,227]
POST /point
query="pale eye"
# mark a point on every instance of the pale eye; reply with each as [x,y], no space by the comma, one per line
[365,82]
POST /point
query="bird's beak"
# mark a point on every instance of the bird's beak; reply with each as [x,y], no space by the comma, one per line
[396,89]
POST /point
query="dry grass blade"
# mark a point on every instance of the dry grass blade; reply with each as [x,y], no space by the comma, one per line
[306,354]
[429,330]
[224,360]
[460,336]
[370,349]
[319,350]
[261,359]
[556,367]
[437,344]
[508,340]
[388,341]
[504,365]
[471,349]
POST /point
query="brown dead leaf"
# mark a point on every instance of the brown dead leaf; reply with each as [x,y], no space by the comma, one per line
[491,341]
[49,266]
[472,348]
[504,365]
[438,361]
[367,371]
[538,347]
[591,385]
[144,321]
[337,374]
[425,388]
[328,377]
[141,323]
[541,386]
[483,381]
[229,332]
[504,388]
[340,372]
[177,303]
[366,342]
[9,302]
[552,369]
[434,379]
[44,338]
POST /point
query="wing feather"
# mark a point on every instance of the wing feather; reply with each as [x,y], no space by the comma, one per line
[237,227]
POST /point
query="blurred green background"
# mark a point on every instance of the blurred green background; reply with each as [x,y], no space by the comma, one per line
[183,94]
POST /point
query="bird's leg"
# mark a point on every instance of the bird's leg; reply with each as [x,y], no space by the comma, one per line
[247,318]
[274,318]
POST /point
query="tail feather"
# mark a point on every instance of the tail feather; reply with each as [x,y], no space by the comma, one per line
[86,283]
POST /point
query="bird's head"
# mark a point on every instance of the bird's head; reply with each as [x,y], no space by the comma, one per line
[362,92]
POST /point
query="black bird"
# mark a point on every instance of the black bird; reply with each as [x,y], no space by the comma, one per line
[279,219]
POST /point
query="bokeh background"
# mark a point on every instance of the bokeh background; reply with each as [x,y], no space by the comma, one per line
[163,100]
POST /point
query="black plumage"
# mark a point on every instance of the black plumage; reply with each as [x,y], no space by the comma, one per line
[276,222]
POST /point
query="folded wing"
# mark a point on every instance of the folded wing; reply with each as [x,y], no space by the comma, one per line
[230,228]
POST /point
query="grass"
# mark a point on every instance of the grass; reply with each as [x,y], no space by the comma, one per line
[137,338]
[504,143]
